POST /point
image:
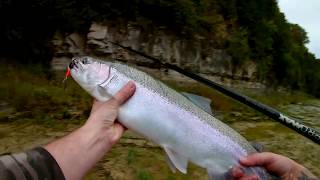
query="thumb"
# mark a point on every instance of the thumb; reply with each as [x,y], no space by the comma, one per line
[124,94]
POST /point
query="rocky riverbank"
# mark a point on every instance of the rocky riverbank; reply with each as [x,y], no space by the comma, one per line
[137,158]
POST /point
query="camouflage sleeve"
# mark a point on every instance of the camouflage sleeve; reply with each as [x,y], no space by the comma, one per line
[33,164]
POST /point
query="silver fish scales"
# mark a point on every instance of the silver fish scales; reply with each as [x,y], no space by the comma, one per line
[184,130]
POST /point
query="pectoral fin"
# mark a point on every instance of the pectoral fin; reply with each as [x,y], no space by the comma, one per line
[201,102]
[177,160]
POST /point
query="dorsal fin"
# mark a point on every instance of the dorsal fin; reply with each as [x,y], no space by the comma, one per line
[200,101]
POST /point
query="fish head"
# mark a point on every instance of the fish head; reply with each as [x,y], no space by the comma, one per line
[90,74]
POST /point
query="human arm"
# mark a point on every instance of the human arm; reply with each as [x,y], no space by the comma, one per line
[35,163]
[73,155]
[278,165]
[79,151]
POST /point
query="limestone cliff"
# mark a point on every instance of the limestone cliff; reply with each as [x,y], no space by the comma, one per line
[193,53]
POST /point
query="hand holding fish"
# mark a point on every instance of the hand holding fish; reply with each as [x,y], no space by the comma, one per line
[278,165]
[104,114]
[79,151]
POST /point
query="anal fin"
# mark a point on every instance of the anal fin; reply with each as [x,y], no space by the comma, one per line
[179,161]
[170,164]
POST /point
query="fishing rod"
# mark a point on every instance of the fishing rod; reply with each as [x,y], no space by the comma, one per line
[293,124]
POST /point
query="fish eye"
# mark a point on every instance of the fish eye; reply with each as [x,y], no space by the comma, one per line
[85,61]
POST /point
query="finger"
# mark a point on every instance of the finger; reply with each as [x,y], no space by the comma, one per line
[118,130]
[237,173]
[124,127]
[251,177]
[125,93]
[258,159]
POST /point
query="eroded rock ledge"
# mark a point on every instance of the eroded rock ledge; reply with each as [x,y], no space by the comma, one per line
[194,54]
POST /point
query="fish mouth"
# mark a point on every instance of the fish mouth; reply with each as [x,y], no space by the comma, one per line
[75,64]
[72,64]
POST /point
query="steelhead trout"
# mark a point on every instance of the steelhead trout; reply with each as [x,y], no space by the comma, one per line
[182,128]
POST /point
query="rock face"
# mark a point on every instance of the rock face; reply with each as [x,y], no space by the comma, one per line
[193,53]
[65,47]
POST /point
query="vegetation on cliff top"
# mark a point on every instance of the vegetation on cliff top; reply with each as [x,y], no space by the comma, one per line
[247,29]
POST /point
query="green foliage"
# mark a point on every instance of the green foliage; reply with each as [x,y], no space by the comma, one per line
[132,156]
[299,35]
[238,47]
[265,68]
[144,175]
[34,94]
[247,29]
